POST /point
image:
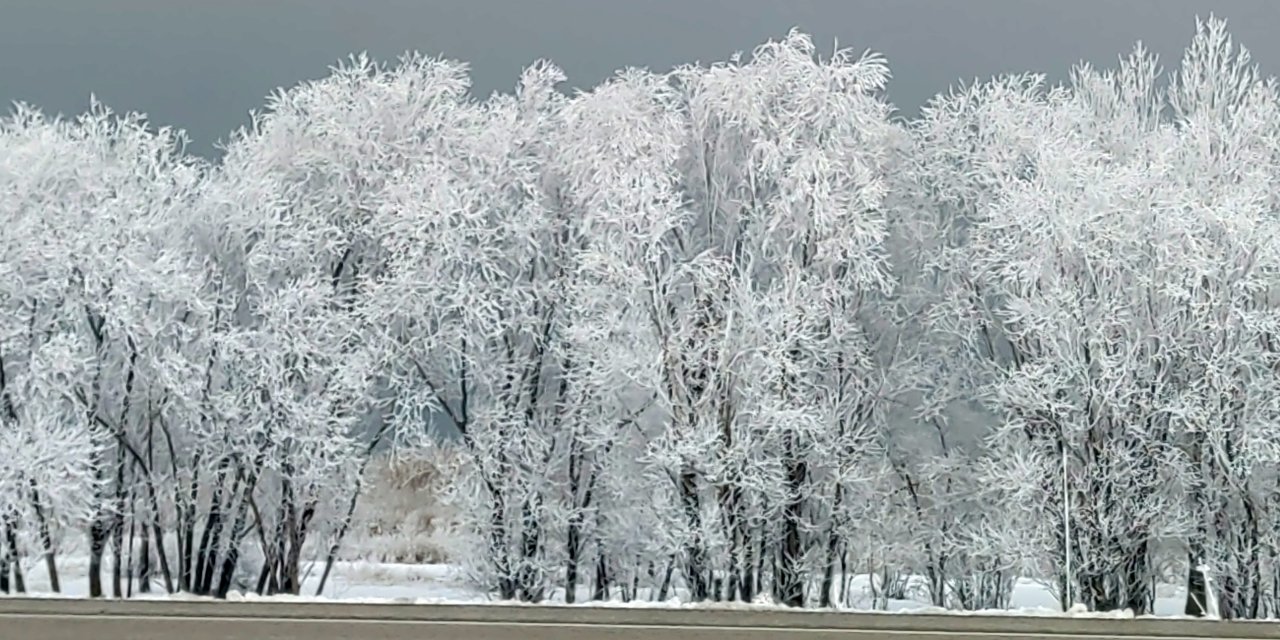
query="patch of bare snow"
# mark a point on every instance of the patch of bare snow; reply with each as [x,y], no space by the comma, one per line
[438,584]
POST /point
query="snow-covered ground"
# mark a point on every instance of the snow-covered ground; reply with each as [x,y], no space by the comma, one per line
[349,580]
[438,583]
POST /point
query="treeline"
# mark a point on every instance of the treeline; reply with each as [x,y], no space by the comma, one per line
[730,332]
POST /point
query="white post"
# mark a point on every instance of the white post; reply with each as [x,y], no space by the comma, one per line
[1066,527]
[1211,610]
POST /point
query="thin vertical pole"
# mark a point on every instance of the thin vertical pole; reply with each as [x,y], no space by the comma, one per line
[1066,526]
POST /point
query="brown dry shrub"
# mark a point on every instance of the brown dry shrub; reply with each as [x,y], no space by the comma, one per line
[401,517]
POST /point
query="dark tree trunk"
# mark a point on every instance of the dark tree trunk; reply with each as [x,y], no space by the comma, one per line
[665,589]
[791,577]
[695,555]
[163,556]
[845,579]
[829,571]
[130,571]
[332,555]
[738,585]
[5,560]
[153,531]
[601,589]
[530,545]
[498,548]
[231,557]
[226,575]
[296,527]
[264,575]
[1197,603]
[186,528]
[144,560]
[212,534]
[98,532]
[14,559]
[573,545]
[573,534]
[281,545]
[46,539]
[117,564]
[750,566]
[289,521]
[117,531]
[1138,588]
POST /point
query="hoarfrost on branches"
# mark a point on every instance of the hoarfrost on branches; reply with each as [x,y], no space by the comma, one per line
[730,332]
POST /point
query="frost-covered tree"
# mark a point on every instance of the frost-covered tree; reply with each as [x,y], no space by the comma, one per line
[1227,118]
[726,332]
[613,173]
[292,236]
[471,307]
[1044,296]
[90,302]
[1103,280]
[773,350]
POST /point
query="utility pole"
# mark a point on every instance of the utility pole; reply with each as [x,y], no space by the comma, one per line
[1066,530]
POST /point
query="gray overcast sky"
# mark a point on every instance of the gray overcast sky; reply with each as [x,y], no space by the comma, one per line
[203,64]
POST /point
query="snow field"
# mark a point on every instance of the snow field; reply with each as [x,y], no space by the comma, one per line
[378,582]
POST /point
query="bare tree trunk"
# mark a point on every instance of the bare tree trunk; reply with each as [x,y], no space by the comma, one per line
[498,545]
[46,539]
[665,589]
[635,587]
[98,531]
[1196,605]
[144,560]
[14,558]
[829,572]
[9,522]
[695,554]
[117,564]
[573,533]
[280,550]
[130,571]
[791,578]
[295,523]
[268,549]
[97,545]
[846,581]
[750,566]
[231,558]
[185,528]
[212,534]
[117,528]
[4,561]
[332,555]
[153,531]
[227,563]
[264,575]
[531,588]
[573,547]
[602,583]
[738,585]
[296,526]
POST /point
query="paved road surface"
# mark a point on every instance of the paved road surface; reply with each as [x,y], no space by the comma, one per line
[50,619]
